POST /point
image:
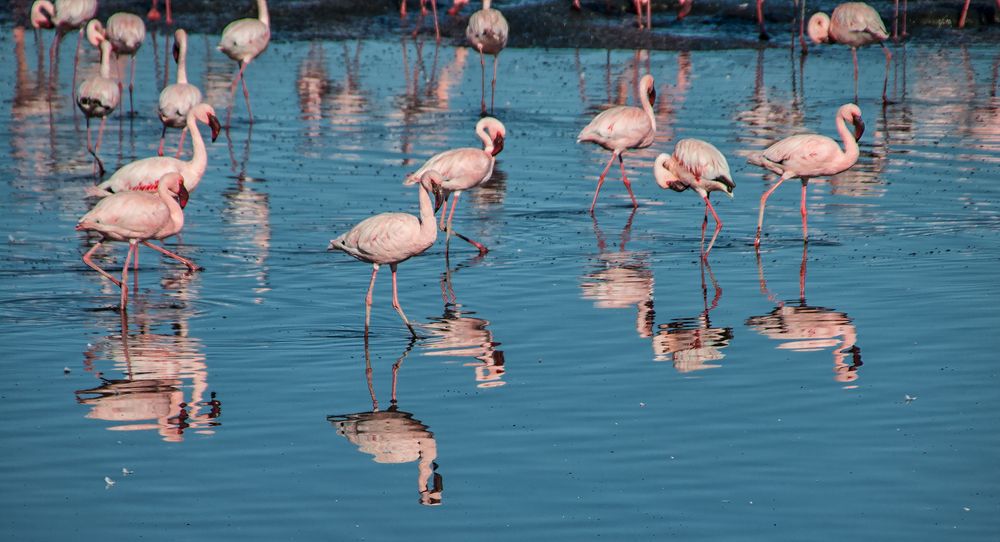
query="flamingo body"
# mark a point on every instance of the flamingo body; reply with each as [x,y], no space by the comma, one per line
[854,24]
[243,40]
[487,32]
[99,95]
[126,33]
[176,100]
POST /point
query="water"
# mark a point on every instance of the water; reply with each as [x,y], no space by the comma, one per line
[585,379]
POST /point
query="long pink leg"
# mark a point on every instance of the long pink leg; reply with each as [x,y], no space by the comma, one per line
[493,85]
[451,214]
[450,231]
[441,225]
[180,143]
[170,16]
[190,264]
[760,21]
[246,96]
[854,53]
[53,57]
[395,302]
[965,11]
[628,183]
[802,273]
[402,8]
[638,12]
[718,225]
[124,282]
[888,60]
[135,268]
[437,31]
[805,212]
[76,60]
[368,299]
[482,65]
[100,137]
[232,86]
[163,137]
[600,180]
[763,203]
[905,2]
[649,14]
[131,85]
[895,21]
[95,267]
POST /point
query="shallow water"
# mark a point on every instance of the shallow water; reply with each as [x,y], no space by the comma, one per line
[587,378]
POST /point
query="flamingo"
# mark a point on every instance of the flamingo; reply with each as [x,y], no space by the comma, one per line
[622,128]
[638,12]
[684,7]
[392,238]
[487,33]
[137,217]
[854,24]
[698,165]
[457,6]
[464,169]
[98,96]
[177,99]
[423,11]
[126,33]
[64,16]
[144,174]
[154,14]
[243,40]
[961,18]
[805,156]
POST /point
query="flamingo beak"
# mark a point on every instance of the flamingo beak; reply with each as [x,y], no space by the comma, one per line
[214,124]
[497,143]
[652,95]
[438,198]
[183,194]
[177,52]
[859,128]
[684,10]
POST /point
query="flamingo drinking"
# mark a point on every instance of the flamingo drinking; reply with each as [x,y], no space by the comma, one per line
[177,99]
[243,40]
[97,97]
[126,33]
[487,33]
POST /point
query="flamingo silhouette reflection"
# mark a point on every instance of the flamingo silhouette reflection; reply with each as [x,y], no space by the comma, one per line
[393,435]
[807,328]
[692,343]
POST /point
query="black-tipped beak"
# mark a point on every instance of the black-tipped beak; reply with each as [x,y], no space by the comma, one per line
[497,144]
[177,52]
[183,195]
[652,95]
[438,199]
[859,128]
[214,124]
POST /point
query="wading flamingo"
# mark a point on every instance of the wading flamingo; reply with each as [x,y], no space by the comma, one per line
[622,128]
[144,174]
[64,16]
[638,12]
[464,169]
[177,99]
[392,238]
[697,165]
[98,96]
[684,7]
[487,33]
[126,33]
[854,24]
[423,12]
[243,40]
[961,18]
[137,217]
[153,15]
[810,155]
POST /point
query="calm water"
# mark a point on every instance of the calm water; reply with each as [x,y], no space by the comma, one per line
[587,378]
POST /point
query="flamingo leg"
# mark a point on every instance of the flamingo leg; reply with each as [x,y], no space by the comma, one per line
[888,60]
[76,59]
[170,16]
[600,180]
[628,183]
[163,137]
[965,11]
[368,299]
[649,14]
[180,143]
[802,28]
[802,274]
[87,260]
[493,85]
[718,225]
[437,31]
[482,65]
[395,302]
[190,264]
[638,12]
[451,214]
[805,212]
[854,53]
[53,57]
[895,21]
[905,2]
[236,80]
[763,203]
[124,282]
[441,224]
[760,21]
[131,85]
[246,96]
[402,9]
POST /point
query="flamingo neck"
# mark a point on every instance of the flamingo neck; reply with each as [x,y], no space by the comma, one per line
[428,226]
[106,62]
[199,159]
[851,150]
[648,108]
[486,4]
[182,76]
[484,136]
[176,213]
[262,14]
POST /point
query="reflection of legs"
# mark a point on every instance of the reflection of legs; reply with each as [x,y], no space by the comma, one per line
[718,225]
[600,180]
[805,212]
[368,299]
[395,301]
[190,265]
[628,183]
[763,203]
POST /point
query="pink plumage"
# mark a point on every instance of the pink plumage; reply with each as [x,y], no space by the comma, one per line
[244,40]
[854,24]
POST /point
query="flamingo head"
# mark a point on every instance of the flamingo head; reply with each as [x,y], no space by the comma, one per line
[42,13]
[180,43]
[647,86]
[205,113]
[852,113]
[819,28]
[96,33]
[431,181]
[664,174]
[174,183]
[494,131]
[683,8]
[177,51]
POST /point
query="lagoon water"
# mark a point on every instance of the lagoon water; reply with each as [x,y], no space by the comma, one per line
[588,378]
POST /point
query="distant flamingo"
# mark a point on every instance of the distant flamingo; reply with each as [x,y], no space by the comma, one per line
[392,238]
[456,7]
[895,19]
[638,12]
[464,169]
[64,16]
[144,174]
[810,155]
[243,40]
[854,24]
[487,33]
[961,18]
[177,99]
[622,128]
[97,97]
[684,8]
[126,33]
[137,217]
[700,166]
[154,14]
[423,11]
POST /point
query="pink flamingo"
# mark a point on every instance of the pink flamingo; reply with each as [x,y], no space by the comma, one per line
[623,128]
[176,100]
[684,8]
[243,40]
[154,14]
[697,165]
[638,12]
[97,97]
[392,238]
[126,33]
[137,217]
[810,155]
[144,174]
[961,18]
[64,16]
[456,7]
[895,19]
[854,24]
[487,33]
[423,11]
[464,169]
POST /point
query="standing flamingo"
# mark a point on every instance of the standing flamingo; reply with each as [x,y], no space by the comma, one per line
[98,96]
[423,12]
[464,169]
[638,12]
[487,33]
[684,7]
[961,18]
[153,15]
[126,33]
[810,155]
[177,99]
[854,24]
[698,165]
[137,217]
[64,16]
[392,238]
[623,128]
[144,174]
[457,6]
[243,40]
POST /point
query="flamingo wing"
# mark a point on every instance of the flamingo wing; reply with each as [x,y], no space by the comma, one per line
[704,161]
[860,17]
[175,102]
[129,215]
[383,238]
[461,168]
[244,39]
[619,127]
[803,154]
[142,174]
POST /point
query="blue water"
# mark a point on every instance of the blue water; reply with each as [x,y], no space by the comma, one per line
[588,378]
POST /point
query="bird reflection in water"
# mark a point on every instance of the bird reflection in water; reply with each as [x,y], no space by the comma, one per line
[164,379]
[393,435]
[33,153]
[458,334]
[807,328]
[691,344]
[619,279]
[314,89]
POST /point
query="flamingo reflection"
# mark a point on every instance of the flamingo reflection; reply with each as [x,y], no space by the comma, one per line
[393,435]
[807,328]
[691,344]
[314,89]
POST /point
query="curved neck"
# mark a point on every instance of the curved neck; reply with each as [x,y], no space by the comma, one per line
[199,159]
[484,136]
[182,74]
[428,226]
[851,150]
[262,14]
[106,62]
[176,213]
[486,4]
[647,107]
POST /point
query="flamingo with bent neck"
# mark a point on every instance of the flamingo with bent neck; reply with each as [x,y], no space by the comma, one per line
[144,174]
[125,32]
[854,24]
[64,16]
[805,156]
[177,99]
